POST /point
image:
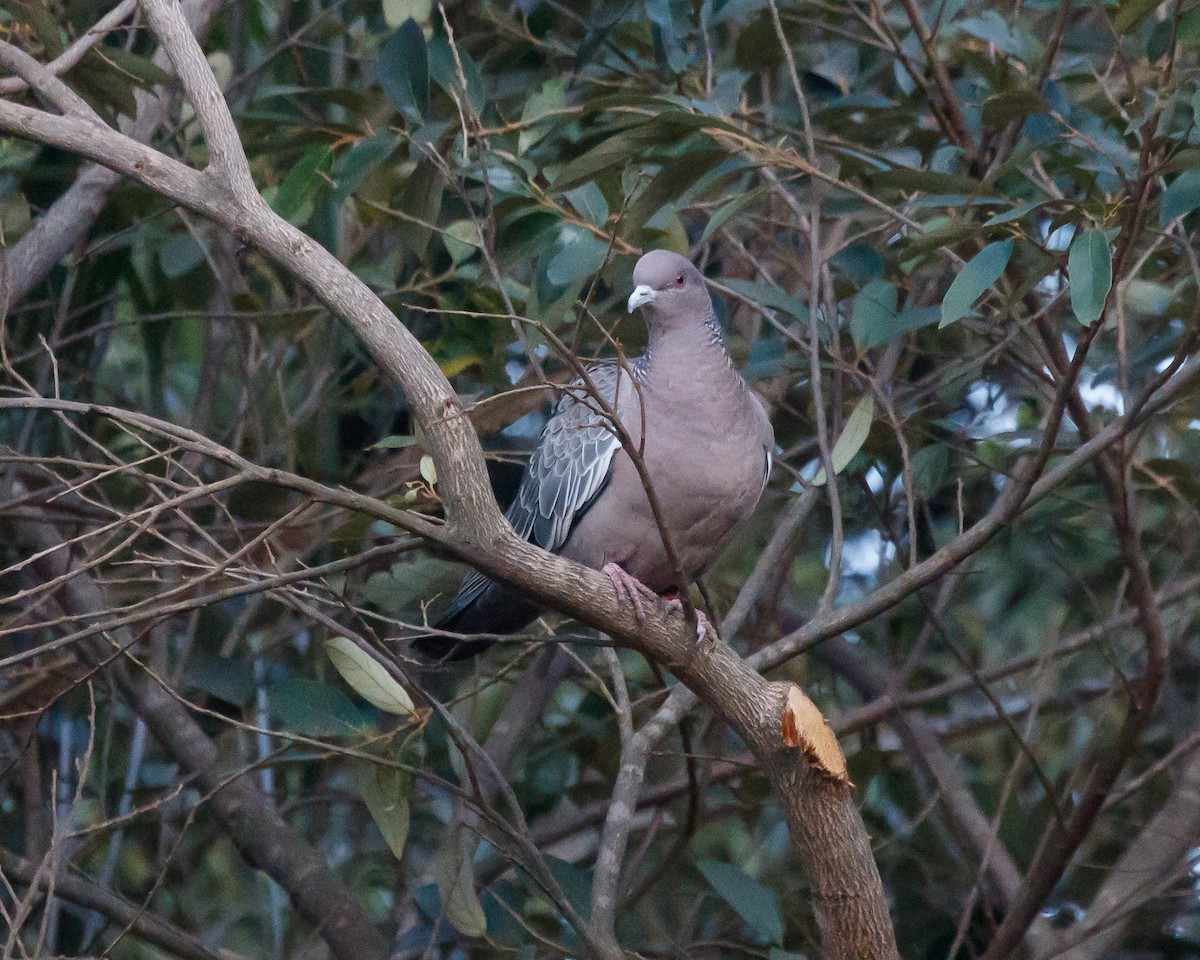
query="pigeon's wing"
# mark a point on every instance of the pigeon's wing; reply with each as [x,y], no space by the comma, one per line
[767,432]
[566,473]
[571,464]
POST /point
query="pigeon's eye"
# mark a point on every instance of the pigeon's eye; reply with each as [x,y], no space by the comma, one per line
[679,280]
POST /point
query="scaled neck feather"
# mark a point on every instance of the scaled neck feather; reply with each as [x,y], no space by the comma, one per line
[696,348]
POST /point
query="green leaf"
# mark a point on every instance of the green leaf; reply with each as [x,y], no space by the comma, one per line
[144,71]
[422,199]
[613,151]
[575,881]
[444,62]
[1012,105]
[395,12]
[753,902]
[456,886]
[393,442]
[39,17]
[98,80]
[872,314]
[229,679]
[766,295]
[1016,213]
[768,356]
[730,209]
[354,165]
[974,279]
[1146,298]
[858,262]
[1181,197]
[1089,270]
[302,181]
[927,181]
[383,790]
[939,232]
[1189,29]
[404,70]
[368,677]
[313,709]
[854,435]
[991,28]
[551,97]
[180,254]
[579,258]
[670,183]
[930,470]
[1131,12]
[461,240]
[588,200]
[914,318]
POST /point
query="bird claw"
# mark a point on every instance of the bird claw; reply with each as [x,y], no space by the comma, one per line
[629,588]
[705,631]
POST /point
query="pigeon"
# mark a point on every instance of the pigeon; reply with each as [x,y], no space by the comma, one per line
[705,442]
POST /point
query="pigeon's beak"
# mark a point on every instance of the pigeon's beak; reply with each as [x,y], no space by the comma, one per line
[642,294]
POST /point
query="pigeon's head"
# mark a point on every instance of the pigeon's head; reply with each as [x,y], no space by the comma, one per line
[669,289]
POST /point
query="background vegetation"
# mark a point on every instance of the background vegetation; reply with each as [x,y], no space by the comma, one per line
[951,242]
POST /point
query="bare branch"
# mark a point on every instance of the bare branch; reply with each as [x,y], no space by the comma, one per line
[78,889]
[77,50]
[261,835]
[24,265]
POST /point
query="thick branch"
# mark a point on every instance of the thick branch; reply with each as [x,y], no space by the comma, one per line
[825,823]
[224,147]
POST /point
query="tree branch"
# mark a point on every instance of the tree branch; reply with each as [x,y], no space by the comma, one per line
[257,830]
[84,892]
[57,232]
[825,823]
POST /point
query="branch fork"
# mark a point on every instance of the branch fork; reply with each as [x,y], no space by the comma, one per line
[826,825]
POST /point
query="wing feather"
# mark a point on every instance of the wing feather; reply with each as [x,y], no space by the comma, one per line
[567,471]
[570,466]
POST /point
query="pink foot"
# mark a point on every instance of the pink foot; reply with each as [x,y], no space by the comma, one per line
[704,628]
[629,588]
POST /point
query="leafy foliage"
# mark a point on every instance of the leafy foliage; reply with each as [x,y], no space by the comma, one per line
[996,187]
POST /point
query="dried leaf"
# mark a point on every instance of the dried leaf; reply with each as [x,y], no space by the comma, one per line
[428,470]
[456,886]
[368,677]
[804,726]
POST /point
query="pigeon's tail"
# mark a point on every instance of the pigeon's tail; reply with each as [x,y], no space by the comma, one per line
[492,610]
